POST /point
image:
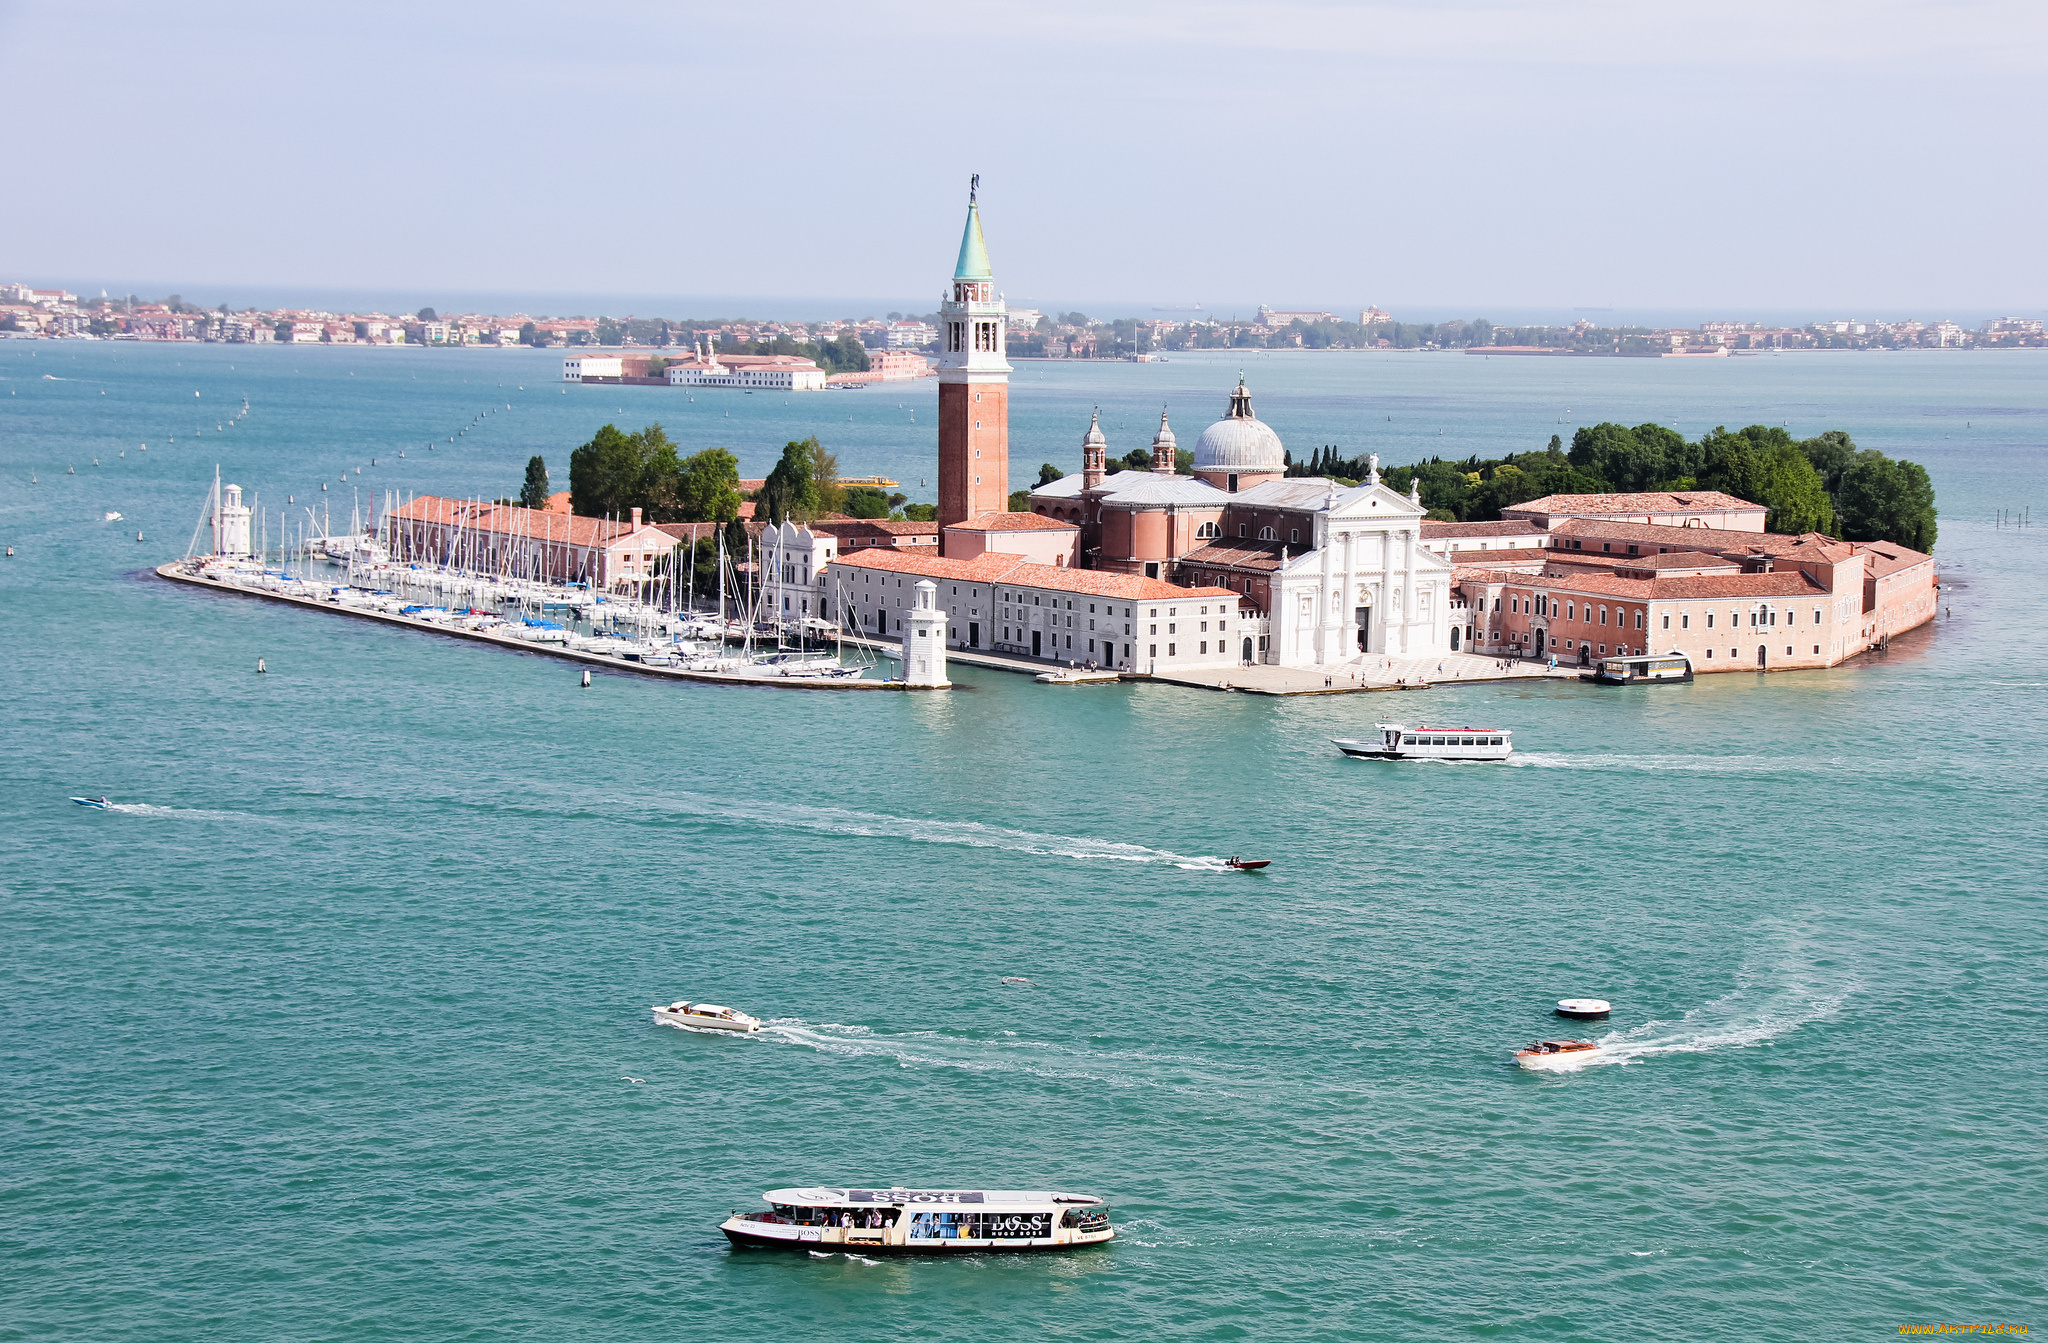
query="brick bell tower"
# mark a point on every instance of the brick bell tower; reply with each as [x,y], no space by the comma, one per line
[974,386]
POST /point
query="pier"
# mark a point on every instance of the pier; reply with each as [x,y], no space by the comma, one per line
[185,572]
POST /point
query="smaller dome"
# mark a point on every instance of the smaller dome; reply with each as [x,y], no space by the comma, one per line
[1239,441]
[1164,438]
[1093,438]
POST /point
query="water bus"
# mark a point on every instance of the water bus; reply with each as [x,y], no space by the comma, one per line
[1650,670]
[921,1221]
[1398,741]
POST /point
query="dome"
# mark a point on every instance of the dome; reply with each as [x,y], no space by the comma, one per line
[1093,438]
[1239,441]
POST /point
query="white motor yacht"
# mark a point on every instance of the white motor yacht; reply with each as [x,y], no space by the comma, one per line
[705,1017]
[922,1221]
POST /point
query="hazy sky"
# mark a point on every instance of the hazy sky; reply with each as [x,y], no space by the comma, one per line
[1865,156]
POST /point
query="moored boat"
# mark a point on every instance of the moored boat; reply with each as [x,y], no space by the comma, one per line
[1556,1055]
[1076,676]
[922,1221]
[1397,741]
[705,1017]
[1650,670]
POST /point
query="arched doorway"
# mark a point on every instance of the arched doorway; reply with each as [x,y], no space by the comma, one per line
[1762,657]
[1585,654]
[1247,652]
[1454,639]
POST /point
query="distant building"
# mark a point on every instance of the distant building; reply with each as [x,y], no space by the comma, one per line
[1271,318]
[910,335]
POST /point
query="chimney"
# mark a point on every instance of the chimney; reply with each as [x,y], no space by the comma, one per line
[636,519]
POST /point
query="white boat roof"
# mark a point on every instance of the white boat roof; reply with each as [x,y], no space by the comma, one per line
[1425,727]
[898,1196]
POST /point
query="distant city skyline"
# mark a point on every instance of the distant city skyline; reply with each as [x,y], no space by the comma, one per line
[1748,159]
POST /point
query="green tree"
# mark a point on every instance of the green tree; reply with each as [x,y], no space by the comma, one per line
[529,334]
[1884,500]
[535,494]
[1048,473]
[1831,453]
[921,512]
[1020,501]
[709,487]
[427,315]
[865,501]
[616,472]
[791,489]
[1763,465]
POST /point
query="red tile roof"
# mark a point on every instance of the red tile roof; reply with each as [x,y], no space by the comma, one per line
[1013,522]
[1518,527]
[996,567]
[1683,501]
[508,519]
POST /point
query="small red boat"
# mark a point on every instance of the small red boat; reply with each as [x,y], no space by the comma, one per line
[1248,864]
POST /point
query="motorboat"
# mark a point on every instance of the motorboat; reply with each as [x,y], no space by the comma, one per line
[1557,1055]
[1248,864]
[1076,676]
[1584,1009]
[1397,741]
[705,1017]
[921,1221]
[96,803]
[1653,670]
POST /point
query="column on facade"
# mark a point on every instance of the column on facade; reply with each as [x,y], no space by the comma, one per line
[1347,619]
[1408,539]
[1326,642]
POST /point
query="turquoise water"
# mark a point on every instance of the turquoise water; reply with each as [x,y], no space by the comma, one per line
[338,1028]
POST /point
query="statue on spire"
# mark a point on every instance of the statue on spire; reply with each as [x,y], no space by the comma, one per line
[973,188]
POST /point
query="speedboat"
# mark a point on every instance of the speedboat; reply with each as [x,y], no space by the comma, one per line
[96,803]
[921,1221]
[1397,741]
[1076,676]
[1248,864]
[1557,1055]
[705,1017]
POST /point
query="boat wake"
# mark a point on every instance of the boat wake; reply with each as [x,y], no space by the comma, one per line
[1746,1017]
[1662,764]
[172,813]
[935,1049]
[965,834]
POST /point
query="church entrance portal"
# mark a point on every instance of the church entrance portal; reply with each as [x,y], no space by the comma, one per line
[1247,652]
[1364,621]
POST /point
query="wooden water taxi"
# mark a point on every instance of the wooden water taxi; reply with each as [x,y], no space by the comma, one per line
[1556,1055]
[921,1221]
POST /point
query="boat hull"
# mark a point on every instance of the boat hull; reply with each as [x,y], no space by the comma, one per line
[683,1021]
[814,1239]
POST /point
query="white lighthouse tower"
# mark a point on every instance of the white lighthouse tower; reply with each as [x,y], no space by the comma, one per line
[924,638]
[234,525]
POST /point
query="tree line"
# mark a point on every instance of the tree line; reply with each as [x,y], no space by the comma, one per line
[1821,484]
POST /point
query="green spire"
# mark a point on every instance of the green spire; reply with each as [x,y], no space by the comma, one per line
[973,251]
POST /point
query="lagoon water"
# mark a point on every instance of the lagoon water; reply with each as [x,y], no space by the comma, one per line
[337,1027]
